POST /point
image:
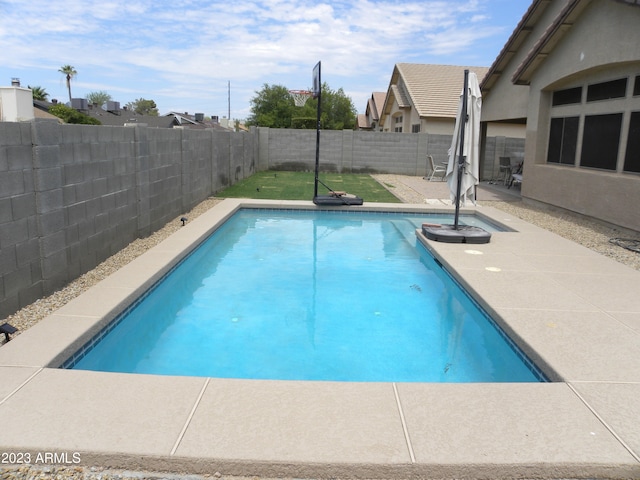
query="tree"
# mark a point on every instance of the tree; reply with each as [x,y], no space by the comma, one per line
[99,98]
[142,106]
[39,93]
[273,107]
[338,111]
[70,115]
[69,73]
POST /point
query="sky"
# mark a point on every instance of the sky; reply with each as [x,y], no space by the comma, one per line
[212,57]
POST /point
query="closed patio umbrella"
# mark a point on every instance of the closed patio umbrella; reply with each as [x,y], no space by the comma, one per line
[470,148]
[462,169]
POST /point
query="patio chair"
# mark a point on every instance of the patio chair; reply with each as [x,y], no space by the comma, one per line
[516,176]
[440,169]
[504,174]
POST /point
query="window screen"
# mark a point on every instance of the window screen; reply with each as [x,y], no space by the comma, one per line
[563,138]
[600,141]
[607,90]
[566,97]
[632,158]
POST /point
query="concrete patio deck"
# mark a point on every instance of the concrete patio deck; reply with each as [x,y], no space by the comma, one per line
[574,312]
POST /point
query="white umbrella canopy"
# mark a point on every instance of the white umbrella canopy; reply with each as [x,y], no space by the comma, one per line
[471,146]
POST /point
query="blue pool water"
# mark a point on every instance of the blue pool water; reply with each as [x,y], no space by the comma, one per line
[311,295]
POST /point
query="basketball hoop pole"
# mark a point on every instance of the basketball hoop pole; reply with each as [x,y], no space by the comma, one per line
[319,97]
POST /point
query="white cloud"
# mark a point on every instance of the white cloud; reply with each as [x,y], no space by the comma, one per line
[188,50]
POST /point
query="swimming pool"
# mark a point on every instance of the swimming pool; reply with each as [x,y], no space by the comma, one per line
[311,295]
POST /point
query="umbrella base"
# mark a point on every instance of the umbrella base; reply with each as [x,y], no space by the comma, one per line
[449,234]
[337,200]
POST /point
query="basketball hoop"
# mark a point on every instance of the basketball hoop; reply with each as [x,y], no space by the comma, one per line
[300,97]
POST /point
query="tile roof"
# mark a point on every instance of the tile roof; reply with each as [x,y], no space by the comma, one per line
[378,102]
[434,89]
[122,116]
[375,104]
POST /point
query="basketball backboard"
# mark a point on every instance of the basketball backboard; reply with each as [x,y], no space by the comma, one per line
[316,81]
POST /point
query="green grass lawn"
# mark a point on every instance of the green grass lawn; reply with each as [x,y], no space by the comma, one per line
[272,185]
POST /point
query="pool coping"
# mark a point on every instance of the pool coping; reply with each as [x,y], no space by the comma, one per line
[573,311]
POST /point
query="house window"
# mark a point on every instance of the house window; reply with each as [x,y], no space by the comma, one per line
[600,141]
[567,97]
[398,127]
[415,128]
[563,138]
[632,158]
[607,90]
[598,126]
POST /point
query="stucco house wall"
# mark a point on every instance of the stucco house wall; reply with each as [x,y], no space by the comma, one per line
[602,45]
[558,45]
[505,100]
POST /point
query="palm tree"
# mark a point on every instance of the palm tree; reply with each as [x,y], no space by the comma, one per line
[70,73]
[39,93]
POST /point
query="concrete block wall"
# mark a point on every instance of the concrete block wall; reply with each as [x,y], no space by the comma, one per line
[350,152]
[293,150]
[196,167]
[234,157]
[86,196]
[20,267]
[73,195]
[160,177]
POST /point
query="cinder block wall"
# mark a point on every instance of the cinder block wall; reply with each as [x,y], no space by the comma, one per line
[73,195]
[365,152]
[20,265]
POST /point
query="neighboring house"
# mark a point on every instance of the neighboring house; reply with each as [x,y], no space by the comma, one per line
[571,72]
[370,120]
[423,98]
[198,121]
[111,114]
[115,116]
[41,110]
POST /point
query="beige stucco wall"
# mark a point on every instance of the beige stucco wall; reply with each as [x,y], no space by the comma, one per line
[510,130]
[610,197]
[604,44]
[438,126]
[505,100]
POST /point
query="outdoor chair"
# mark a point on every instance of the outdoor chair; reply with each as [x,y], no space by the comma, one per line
[516,176]
[440,169]
[504,173]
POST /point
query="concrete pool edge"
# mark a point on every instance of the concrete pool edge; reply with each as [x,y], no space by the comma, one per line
[474,440]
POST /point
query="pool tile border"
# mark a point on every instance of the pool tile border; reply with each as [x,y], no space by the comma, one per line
[108,328]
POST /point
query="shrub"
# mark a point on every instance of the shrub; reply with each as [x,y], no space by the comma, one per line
[69,115]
